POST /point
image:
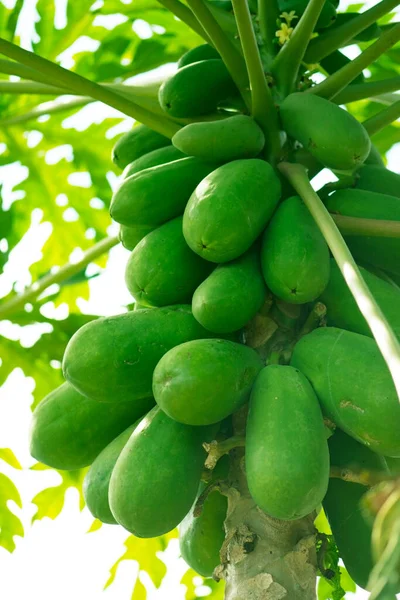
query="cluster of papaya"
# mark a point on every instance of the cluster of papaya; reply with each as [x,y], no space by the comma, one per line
[214,243]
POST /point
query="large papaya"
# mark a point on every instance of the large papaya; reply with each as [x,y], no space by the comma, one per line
[156,477]
[229,209]
[223,140]
[353,384]
[133,144]
[196,89]
[337,60]
[112,358]
[158,194]
[131,236]
[330,133]
[231,295]
[162,269]
[375,178]
[381,252]
[287,458]
[161,156]
[294,255]
[326,18]
[202,52]
[203,381]
[69,430]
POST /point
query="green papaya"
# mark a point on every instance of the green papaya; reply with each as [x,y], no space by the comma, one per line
[97,480]
[330,133]
[287,458]
[351,530]
[342,310]
[381,252]
[370,33]
[375,158]
[69,430]
[231,295]
[156,477]
[225,214]
[203,381]
[133,144]
[337,60]
[294,255]
[224,140]
[353,384]
[158,194]
[112,359]
[131,236]
[162,269]
[326,18]
[374,178]
[196,89]
[161,156]
[202,52]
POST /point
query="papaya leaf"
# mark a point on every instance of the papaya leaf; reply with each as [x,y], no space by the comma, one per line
[188,581]
[217,589]
[321,523]
[10,525]
[50,501]
[95,526]
[139,591]
[9,457]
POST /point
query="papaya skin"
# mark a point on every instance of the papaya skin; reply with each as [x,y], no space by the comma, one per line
[131,236]
[133,144]
[160,156]
[375,178]
[202,52]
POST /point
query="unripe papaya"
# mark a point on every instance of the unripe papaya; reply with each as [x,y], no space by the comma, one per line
[377,179]
[337,60]
[325,19]
[287,458]
[330,133]
[202,52]
[375,158]
[229,209]
[162,269]
[69,430]
[158,194]
[161,156]
[370,33]
[353,384]
[231,295]
[294,255]
[156,477]
[222,141]
[112,359]
[203,381]
[381,252]
[133,144]
[131,236]
[196,89]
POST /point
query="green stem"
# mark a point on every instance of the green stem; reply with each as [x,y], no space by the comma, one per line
[314,319]
[18,302]
[382,118]
[185,14]
[268,14]
[370,227]
[78,84]
[216,449]
[338,81]
[262,104]
[285,67]
[364,477]
[385,338]
[31,87]
[10,67]
[361,91]
[335,38]
[47,108]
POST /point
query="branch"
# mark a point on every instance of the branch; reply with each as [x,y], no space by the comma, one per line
[217,449]
[361,91]
[385,338]
[10,67]
[314,319]
[47,108]
[185,14]
[370,227]
[268,14]
[382,118]
[363,477]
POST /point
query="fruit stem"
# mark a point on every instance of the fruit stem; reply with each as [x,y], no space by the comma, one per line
[217,449]
[385,338]
[185,14]
[367,478]
[268,15]
[314,319]
[361,91]
[64,273]
[370,227]
[382,118]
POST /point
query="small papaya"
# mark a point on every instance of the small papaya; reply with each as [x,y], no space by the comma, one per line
[131,236]
[375,178]
[69,430]
[326,18]
[328,132]
[294,254]
[287,458]
[112,359]
[161,156]
[133,144]
[158,194]
[231,295]
[203,381]
[224,140]
[202,52]
[162,269]
[196,89]
[353,384]
[225,215]
[337,60]
[370,33]
[375,158]
[156,477]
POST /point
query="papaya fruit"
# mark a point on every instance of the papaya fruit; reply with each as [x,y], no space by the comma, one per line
[131,236]
[69,430]
[374,178]
[133,144]
[352,532]
[353,384]
[287,458]
[231,295]
[370,33]
[380,252]
[328,132]
[375,158]
[158,194]
[203,381]
[97,480]
[202,52]
[156,477]
[225,214]
[326,18]
[294,255]
[196,89]
[224,140]
[337,60]
[112,359]
[161,156]
[162,269]
[342,310]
